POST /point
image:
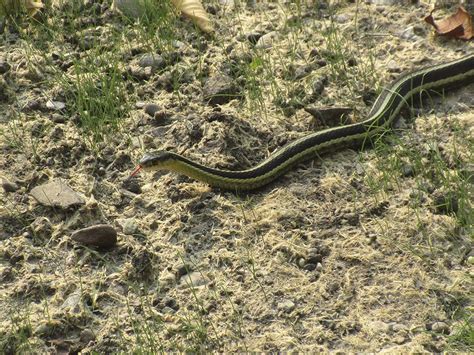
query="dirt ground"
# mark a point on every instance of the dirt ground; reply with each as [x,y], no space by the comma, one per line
[367,251]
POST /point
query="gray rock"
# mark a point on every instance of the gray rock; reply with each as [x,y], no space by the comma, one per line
[101,236]
[219,89]
[408,170]
[9,186]
[286,306]
[55,105]
[57,194]
[152,60]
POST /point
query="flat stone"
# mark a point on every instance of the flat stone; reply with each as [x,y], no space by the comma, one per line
[57,194]
[100,235]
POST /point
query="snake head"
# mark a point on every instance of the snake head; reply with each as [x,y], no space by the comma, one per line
[156,160]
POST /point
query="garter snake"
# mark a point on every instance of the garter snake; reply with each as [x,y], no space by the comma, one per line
[382,115]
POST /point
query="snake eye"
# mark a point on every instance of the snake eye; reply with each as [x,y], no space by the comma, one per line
[155,158]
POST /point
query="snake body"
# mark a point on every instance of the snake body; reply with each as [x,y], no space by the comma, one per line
[382,115]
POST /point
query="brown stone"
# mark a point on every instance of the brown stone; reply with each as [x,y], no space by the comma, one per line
[101,236]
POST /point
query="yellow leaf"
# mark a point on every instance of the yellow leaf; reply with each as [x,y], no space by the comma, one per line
[13,7]
[194,10]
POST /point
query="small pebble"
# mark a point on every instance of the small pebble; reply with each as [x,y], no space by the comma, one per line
[153,60]
[286,306]
[55,105]
[408,170]
[129,226]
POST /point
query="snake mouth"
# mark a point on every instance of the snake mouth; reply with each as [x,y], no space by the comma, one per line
[136,170]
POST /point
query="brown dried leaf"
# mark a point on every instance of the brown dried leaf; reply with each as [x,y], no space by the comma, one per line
[194,10]
[458,25]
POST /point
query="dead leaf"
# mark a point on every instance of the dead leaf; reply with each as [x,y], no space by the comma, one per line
[13,7]
[193,9]
[458,25]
